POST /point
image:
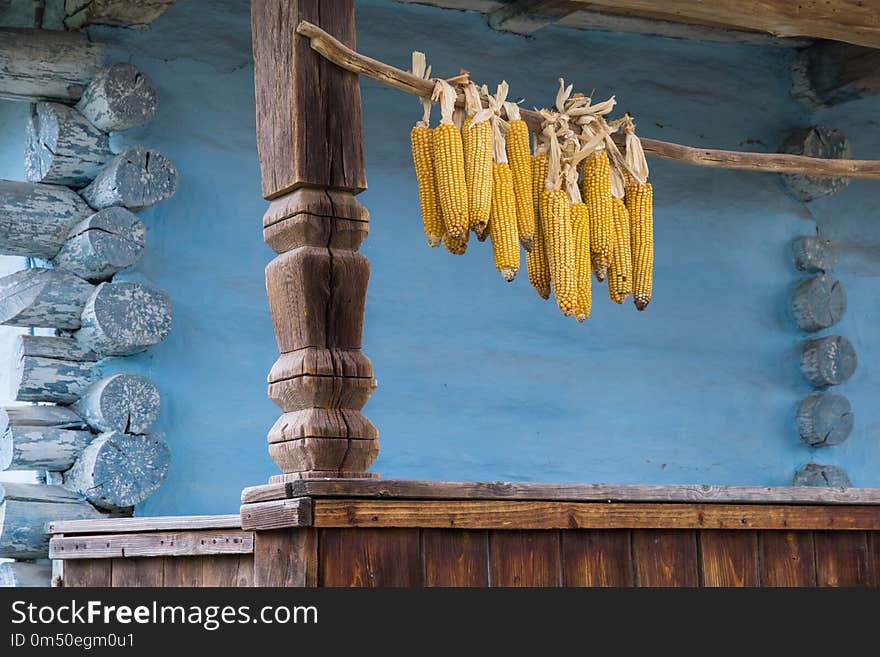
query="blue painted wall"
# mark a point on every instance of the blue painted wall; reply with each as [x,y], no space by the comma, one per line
[479,379]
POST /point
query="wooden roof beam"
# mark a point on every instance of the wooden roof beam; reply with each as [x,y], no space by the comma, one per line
[528,16]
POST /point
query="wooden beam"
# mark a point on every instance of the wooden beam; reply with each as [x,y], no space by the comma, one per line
[506,490]
[155,544]
[277,514]
[351,60]
[830,73]
[156,523]
[118,13]
[496,514]
[528,16]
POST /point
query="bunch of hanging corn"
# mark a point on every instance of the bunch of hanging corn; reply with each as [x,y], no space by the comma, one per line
[640,205]
[503,222]
[476,136]
[421,138]
[518,155]
[449,167]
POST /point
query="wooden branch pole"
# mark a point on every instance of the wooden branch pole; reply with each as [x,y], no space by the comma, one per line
[346,57]
[51,369]
[311,156]
[39,297]
[119,470]
[120,97]
[46,64]
[63,147]
[135,179]
[35,220]
[99,246]
[128,403]
[41,438]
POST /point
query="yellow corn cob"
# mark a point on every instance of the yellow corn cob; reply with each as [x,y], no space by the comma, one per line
[454,246]
[620,271]
[449,174]
[640,204]
[423,159]
[580,226]
[560,248]
[502,227]
[596,191]
[536,260]
[477,143]
[518,154]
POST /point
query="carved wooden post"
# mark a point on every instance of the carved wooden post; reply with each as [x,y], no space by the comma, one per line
[311,156]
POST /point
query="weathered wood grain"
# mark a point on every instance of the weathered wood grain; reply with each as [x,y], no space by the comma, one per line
[152,544]
[322,423]
[818,142]
[180,572]
[874,556]
[506,490]
[328,454]
[24,447]
[597,557]
[286,557]
[63,147]
[128,403]
[136,178]
[312,216]
[528,16]
[99,246]
[145,524]
[88,573]
[318,278]
[824,419]
[277,514]
[787,559]
[729,558]
[21,574]
[665,558]
[454,557]
[25,511]
[118,13]
[813,253]
[828,361]
[829,73]
[53,417]
[125,318]
[119,97]
[46,64]
[320,474]
[36,219]
[524,558]
[40,297]
[119,470]
[371,558]
[818,475]
[818,302]
[50,369]
[315,377]
[228,570]
[137,572]
[516,514]
[842,559]
[303,100]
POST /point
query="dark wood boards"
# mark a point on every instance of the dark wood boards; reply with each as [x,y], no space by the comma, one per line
[842,559]
[87,573]
[286,557]
[456,557]
[505,490]
[137,572]
[369,557]
[524,558]
[787,559]
[308,110]
[597,557]
[666,558]
[729,558]
[489,514]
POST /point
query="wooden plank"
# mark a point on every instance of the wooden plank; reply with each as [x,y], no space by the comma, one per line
[505,490]
[874,556]
[787,559]
[455,557]
[729,558]
[370,558]
[303,100]
[665,558]
[158,523]
[286,557]
[235,570]
[842,559]
[473,514]
[137,572]
[209,541]
[180,572]
[597,557]
[295,512]
[524,558]
[87,573]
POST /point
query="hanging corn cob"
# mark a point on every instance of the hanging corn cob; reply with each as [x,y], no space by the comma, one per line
[640,204]
[476,136]
[455,246]
[596,191]
[421,138]
[502,225]
[518,155]
[620,270]
[449,165]
[580,227]
[536,260]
